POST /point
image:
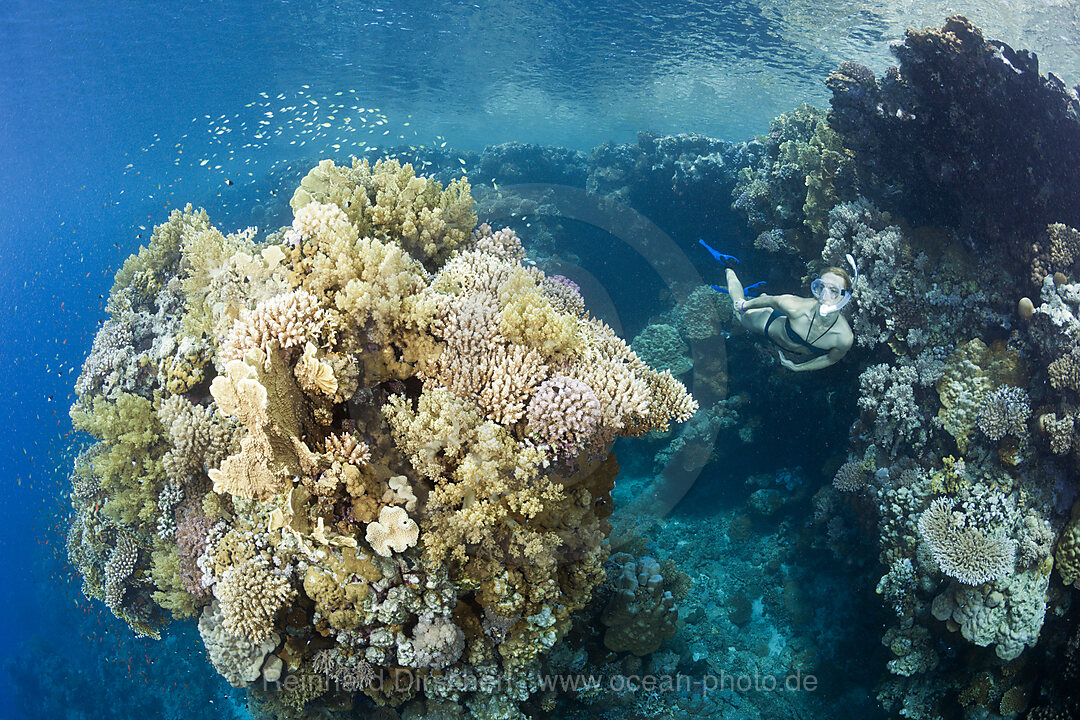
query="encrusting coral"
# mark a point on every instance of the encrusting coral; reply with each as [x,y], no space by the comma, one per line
[408,434]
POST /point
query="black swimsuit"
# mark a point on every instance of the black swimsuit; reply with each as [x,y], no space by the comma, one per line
[794,336]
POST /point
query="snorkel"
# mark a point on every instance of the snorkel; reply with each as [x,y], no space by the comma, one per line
[843,298]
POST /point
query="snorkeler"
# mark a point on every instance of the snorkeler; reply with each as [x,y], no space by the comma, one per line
[811,328]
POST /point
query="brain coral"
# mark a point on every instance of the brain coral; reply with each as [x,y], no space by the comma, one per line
[403,460]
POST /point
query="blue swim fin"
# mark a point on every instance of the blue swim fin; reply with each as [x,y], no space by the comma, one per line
[719,256]
[749,290]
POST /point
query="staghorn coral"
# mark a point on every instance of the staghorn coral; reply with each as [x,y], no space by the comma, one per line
[887,394]
[348,448]
[478,363]
[564,294]
[885,285]
[913,650]
[1059,430]
[198,438]
[192,529]
[1064,371]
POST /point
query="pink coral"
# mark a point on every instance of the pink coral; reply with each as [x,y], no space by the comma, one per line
[564,413]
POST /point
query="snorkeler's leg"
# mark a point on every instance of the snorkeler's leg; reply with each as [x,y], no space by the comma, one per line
[734,289]
[752,320]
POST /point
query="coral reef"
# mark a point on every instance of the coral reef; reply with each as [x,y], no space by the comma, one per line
[930,135]
[802,172]
[382,442]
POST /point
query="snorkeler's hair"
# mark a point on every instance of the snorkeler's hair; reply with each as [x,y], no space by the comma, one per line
[840,272]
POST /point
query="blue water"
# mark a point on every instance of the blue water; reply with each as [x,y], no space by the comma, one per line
[114,113]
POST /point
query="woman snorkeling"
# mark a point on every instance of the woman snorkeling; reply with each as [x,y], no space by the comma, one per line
[812,329]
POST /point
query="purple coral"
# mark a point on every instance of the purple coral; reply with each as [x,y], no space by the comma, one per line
[192,527]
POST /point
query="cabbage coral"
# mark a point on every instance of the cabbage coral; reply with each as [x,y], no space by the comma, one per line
[408,435]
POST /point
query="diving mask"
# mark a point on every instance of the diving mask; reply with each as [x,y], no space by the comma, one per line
[830,292]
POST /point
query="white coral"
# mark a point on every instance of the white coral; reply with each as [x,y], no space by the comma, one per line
[394,531]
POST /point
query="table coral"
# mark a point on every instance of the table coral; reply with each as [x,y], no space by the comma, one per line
[962,550]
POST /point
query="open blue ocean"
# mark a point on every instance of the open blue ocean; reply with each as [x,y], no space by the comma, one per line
[555,360]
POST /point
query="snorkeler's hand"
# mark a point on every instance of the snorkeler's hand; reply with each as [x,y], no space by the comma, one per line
[785,362]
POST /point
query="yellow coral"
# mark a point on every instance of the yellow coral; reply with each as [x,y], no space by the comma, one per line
[128,462]
[181,372]
[971,372]
[388,201]
[436,433]
[530,319]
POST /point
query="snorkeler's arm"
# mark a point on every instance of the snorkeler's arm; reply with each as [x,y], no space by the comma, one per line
[817,363]
[785,304]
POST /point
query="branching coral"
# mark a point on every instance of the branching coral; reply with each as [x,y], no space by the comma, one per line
[972,372]
[884,282]
[388,201]
[250,595]
[564,414]
[239,660]
[850,477]
[1005,411]
[1057,251]
[290,320]
[803,172]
